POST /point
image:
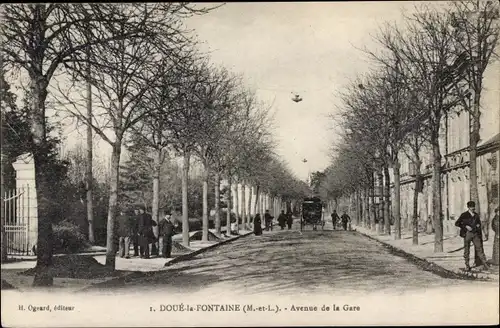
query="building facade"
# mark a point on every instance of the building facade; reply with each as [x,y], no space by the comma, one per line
[455,179]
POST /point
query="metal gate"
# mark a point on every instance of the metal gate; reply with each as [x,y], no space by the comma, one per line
[16,215]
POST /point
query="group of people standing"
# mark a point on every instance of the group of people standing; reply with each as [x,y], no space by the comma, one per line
[283,219]
[137,229]
[345,220]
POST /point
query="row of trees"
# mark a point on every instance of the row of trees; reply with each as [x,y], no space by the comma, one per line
[429,67]
[132,74]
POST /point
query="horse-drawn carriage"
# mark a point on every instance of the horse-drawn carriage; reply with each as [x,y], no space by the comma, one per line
[312,213]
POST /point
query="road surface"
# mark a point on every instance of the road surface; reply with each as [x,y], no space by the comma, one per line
[291,262]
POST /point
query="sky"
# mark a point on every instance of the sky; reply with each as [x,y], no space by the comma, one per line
[312,49]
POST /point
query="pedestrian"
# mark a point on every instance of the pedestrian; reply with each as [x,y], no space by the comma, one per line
[496,237]
[289,219]
[146,235]
[268,219]
[155,248]
[257,225]
[345,220]
[125,231]
[282,219]
[335,219]
[470,229]
[135,234]
[486,225]
[165,233]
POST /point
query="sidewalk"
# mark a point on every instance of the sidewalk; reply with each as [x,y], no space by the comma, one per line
[11,271]
[450,260]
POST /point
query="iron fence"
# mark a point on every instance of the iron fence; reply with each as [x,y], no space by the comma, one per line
[16,214]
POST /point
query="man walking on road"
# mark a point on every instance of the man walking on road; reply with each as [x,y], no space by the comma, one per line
[470,229]
[135,234]
[345,220]
[125,232]
[289,220]
[146,235]
[335,219]
[268,219]
[166,231]
[282,219]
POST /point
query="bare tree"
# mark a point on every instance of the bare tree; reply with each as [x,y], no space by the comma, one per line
[40,39]
[217,98]
[477,31]
[429,44]
[123,72]
[185,126]
[154,131]
[414,144]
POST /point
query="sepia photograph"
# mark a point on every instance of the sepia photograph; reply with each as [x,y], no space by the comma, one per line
[180,164]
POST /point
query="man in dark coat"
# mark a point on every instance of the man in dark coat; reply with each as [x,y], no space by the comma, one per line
[146,235]
[135,234]
[289,220]
[345,220]
[165,233]
[125,232]
[470,229]
[268,219]
[335,219]
[282,219]
[257,225]
[495,226]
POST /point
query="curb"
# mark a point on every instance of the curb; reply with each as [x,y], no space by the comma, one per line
[190,255]
[120,281]
[14,258]
[427,265]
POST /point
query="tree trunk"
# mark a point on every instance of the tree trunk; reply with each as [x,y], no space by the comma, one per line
[204,234]
[45,199]
[261,203]
[415,205]
[156,189]
[237,205]
[387,201]
[367,208]
[229,204]
[359,207]
[88,171]
[373,208]
[249,207]
[473,141]
[436,193]
[113,204]
[397,200]
[381,218]
[217,204]
[185,213]
[243,206]
[257,200]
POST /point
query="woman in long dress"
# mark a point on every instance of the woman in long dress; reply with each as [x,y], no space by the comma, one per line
[257,225]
